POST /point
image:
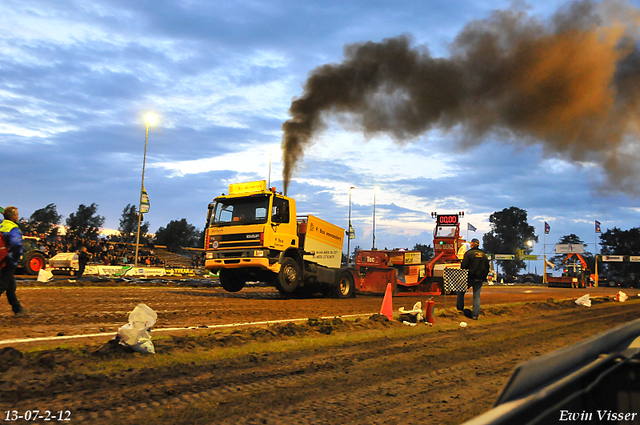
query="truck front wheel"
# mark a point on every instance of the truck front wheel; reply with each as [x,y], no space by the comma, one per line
[289,276]
[231,281]
[346,286]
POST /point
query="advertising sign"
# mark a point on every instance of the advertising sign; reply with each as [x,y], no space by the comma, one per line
[325,241]
[616,258]
[570,248]
[504,257]
[249,187]
[412,257]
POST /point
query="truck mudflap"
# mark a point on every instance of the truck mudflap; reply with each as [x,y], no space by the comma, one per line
[593,381]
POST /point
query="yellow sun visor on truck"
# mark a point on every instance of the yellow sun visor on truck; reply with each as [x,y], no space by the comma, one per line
[248,187]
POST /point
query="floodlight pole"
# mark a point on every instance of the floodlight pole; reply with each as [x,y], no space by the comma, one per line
[144,163]
[349,232]
[374,219]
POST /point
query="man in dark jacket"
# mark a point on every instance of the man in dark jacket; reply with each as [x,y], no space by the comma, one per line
[83,259]
[12,236]
[476,261]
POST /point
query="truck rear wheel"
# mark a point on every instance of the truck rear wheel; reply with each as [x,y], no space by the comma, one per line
[33,263]
[345,287]
[231,280]
[289,276]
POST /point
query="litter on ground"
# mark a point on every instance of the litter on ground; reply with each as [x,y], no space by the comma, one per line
[584,300]
[136,334]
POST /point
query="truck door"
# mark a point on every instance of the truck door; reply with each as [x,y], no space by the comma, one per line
[284,226]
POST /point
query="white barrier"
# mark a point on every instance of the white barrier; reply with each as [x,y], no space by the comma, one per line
[123,270]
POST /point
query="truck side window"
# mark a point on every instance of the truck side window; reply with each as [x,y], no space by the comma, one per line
[280,211]
[225,214]
[261,213]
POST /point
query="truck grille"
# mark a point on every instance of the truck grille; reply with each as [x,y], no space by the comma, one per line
[242,240]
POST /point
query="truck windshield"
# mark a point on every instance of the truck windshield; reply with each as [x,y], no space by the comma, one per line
[249,210]
[445,231]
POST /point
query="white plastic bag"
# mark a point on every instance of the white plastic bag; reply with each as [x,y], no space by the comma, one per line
[135,334]
[621,296]
[416,311]
[584,300]
[44,275]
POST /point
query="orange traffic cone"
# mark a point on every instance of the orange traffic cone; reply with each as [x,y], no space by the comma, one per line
[387,303]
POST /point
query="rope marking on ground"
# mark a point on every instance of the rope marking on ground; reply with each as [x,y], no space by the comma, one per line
[228,325]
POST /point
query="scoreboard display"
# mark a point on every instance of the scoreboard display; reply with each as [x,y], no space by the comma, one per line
[450,219]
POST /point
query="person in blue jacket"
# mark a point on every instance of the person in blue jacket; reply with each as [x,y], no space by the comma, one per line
[12,236]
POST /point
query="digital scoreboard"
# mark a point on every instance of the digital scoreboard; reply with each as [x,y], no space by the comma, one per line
[450,219]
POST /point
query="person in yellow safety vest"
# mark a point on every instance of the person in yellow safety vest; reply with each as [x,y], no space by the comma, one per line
[12,236]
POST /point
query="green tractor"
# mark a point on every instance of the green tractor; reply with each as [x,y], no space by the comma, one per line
[33,258]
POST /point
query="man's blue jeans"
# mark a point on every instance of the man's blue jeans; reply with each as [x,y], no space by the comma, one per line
[477,286]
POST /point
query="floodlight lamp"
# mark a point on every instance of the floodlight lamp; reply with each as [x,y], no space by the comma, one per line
[150,118]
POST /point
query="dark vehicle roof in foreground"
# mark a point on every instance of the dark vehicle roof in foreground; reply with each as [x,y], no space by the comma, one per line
[582,377]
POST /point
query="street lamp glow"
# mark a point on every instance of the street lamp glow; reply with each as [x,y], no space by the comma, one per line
[150,118]
[530,243]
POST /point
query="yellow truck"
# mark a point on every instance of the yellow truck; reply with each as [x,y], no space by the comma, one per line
[254,234]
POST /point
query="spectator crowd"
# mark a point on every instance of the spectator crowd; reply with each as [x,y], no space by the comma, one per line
[103,251]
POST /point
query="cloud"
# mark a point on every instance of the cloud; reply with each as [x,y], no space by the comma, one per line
[77,77]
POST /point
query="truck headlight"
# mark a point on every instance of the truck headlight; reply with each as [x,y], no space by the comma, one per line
[258,253]
[209,255]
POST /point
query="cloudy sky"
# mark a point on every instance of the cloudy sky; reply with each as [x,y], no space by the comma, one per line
[77,78]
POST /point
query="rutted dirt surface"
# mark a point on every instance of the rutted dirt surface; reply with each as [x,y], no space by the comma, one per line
[361,369]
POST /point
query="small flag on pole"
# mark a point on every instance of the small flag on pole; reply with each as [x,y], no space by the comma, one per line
[597,226]
[144,201]
[547,228]
[549,264]
[471,227]
[352,232]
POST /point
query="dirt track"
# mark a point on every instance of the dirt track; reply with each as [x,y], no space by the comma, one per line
[363,371]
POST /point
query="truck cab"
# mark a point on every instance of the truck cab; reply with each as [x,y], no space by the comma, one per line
[249,228]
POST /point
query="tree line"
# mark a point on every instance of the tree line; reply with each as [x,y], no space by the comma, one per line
[86,223]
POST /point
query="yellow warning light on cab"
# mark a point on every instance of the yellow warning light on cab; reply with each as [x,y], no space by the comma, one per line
[248,187]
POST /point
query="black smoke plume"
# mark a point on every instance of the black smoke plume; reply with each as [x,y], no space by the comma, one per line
[571,83]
